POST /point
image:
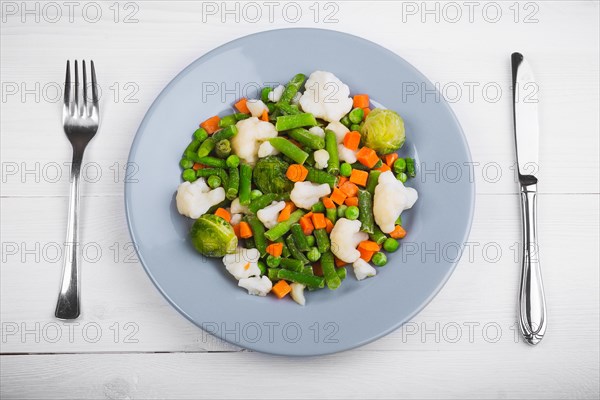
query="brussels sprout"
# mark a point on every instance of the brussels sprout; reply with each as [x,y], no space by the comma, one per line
[212,236]
[383,131]
[269,175]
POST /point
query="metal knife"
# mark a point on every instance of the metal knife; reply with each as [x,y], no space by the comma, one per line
[532,303]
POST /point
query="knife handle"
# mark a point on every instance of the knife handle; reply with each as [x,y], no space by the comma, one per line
[532,303]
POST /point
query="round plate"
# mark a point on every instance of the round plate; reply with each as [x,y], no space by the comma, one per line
[358,312]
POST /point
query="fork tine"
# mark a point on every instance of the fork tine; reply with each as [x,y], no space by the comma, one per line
[94,86]
[67,97]
[85,107]
[76,94]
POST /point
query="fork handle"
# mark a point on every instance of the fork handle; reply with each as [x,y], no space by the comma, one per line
[532,303]
[67,306]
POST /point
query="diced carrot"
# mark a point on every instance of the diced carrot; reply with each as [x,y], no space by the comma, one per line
[339,263]
[223,213]
[275,249]
[352,140]
[359,177]
[398,232]
[318,220]
[328,203]
[390,159]
[366,111]
[367,157]
[369,245]
[245,231]
[338,197]
[328,225]
[308,214]
[306,225]
[361,101]
[296,173]
[281,289]
[241,106]
[265,116]
[286,212]
[211,125]
[342,180]
[349,189]
[197,166]
[317,270]
[383,168]
[351,201]
[366,254]
[236,230]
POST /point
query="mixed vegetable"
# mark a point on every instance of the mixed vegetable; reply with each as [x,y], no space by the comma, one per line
[307,182]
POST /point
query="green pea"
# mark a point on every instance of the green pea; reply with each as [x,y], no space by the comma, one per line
[341,211]
[232,161]
[272,261]
[390,245]
[318,207]
[352,212]
[189,175]
[255,194]
[399,165]
[356,115]
[262,267]
[346,121]
[310,239]
[379,259]
[345,169]
[200,134]
[313,254]
[186,163]
[402,177]
[355,127]
[214,181]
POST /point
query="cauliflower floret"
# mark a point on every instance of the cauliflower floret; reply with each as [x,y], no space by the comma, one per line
[275,94]
[306,194]
[194,199]
[326,96]
[339,129]
[256,286]
[344,237]
[237,208]
[256,107]
[363,269]
[297,293]
[317,131]
[243,263]
[235,219]
[266,149]
[345,154]
[251,133]
[391,198]
[321,158]
[268,215]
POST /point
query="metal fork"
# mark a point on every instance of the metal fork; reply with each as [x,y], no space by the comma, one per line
[80,123]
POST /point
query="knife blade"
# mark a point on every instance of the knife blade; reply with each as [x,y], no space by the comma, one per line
[532,301]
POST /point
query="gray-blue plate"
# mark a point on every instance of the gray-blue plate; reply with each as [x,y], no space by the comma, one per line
[331,321]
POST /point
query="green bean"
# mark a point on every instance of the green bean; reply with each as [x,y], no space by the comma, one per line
[331,214]
[289,149]
[223,149]
[305,138]
[206,147]
[285,253]
[310,239]
[213,181]
[287,109]
[272,109]
[356,116]
[245,183]
[313,254]
[263,268]
[241,116]
[186,163]
[299,238]
[317,176]
[220,172]
[410,167]
[262,201]
[287,122]
[329,273]
[318,207]
[283,227]
[365,215]
[294,251]
[258,233]
[291,89]
[225,133]
[233,161]
[291,264]
[224,204]
[341,272]
[234,183]
[212,162]
[333,164]
[311,281]
[378,164]
[308,270]
[193,146]
[272,274]
[359,166]
[372,181]
[227,120]
[188,175]
[377,236]
[264,94]
[322,239]
[249,243]
[200,134]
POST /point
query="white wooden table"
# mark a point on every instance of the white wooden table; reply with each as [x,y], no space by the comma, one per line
[130,343]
